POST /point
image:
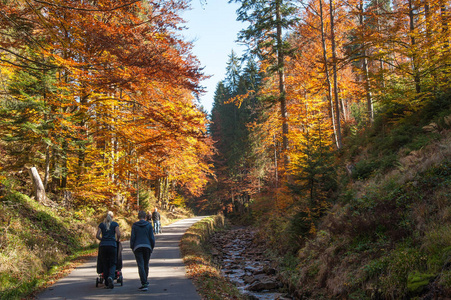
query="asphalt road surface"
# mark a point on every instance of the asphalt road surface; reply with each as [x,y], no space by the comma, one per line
[166,274]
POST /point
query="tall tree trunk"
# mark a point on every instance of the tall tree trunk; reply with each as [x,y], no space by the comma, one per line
[65,145]
[83,135]
[137,189]
[157,189]
[381,61]
[282,92]
[81,153]
[444,14]
[168,189]
[334,66]
[430,56]
[47,166]
[276,171]
[344,108]
[326,71]
[113,146]
[47,147]
[416,74]
[369,98]
[444,19]
[64,169]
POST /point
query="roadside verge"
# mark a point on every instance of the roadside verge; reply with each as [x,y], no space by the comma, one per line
[199,264]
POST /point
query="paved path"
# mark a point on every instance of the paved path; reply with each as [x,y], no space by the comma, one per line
[166,274]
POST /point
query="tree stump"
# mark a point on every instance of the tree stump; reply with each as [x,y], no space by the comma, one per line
[38,187]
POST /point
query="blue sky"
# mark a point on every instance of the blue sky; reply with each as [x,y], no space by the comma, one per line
[213,28]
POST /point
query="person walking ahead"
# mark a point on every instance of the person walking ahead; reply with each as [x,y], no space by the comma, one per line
[108,234]
[156,221]
[149,217]
[142,242]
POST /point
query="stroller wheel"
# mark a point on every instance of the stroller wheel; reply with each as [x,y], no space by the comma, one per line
[97,282]
[121,280]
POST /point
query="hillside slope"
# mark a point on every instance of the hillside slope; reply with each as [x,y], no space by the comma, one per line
[388,234]
[35,240]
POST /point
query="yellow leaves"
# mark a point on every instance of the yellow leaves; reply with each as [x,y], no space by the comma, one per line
[238,100]
[6,72]
[2,177]
[120,100]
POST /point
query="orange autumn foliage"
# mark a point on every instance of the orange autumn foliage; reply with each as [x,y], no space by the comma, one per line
[124,108]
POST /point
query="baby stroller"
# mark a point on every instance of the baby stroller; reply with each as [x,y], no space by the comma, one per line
[117,274]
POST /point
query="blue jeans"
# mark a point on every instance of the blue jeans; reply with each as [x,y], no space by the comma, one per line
[108,257]
[142,256]
[156,227]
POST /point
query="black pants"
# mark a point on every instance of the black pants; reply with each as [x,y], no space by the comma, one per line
[142,256]
[108,257]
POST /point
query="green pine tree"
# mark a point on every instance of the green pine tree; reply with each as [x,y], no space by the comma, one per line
[268,20]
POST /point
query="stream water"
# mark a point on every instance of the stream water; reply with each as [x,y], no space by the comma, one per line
[243,263]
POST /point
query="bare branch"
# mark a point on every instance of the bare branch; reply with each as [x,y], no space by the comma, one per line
[87,9]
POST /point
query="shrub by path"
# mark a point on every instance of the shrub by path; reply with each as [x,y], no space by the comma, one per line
[166,274]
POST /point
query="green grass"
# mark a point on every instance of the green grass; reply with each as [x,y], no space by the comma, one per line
[403,228]
[37,243]
[394,131]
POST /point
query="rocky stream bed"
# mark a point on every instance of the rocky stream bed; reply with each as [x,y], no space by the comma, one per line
[242,260]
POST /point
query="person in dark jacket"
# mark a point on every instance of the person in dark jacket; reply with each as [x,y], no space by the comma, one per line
[156,221]
[142,242]
[149,217]
[108,234]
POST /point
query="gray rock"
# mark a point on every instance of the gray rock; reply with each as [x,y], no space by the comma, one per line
[259,286]
[248,279]
[270,271]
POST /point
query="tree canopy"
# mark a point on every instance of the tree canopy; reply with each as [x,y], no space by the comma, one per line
[101,93]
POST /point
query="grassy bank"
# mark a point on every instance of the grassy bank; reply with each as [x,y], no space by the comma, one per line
[37,243]
[199,264]
[40,244]
[390,242]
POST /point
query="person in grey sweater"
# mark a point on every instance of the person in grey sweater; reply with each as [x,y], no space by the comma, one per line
[142,242]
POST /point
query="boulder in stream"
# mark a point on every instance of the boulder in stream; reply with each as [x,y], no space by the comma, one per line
[266,285]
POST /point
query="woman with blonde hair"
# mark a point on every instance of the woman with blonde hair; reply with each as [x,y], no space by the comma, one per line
[109,235]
